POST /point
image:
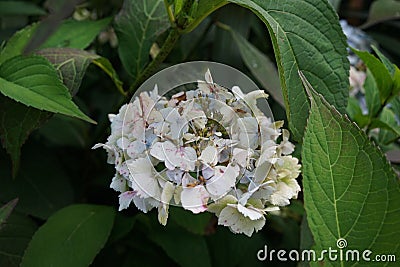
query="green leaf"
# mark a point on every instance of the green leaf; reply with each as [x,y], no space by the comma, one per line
[16,44]
[372,98]
[17,123]
[390,130]
[306,36]
[260,66]
[224,48]
[389,65]
[388,42]
[76,34]
[175,243]
[122,226]
[41,185]
[203,9]
[70,63]
[6,210]
[14,238]
[33,81]
[62,130]
[178,6]
[104,64]
[137,26]
[228,249]
[355,112]
[12,8]
[382,10]
[71,237]
[194,223]
[396,81]
[350,189]
[381,74]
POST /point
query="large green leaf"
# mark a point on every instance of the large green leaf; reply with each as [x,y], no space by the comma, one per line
[71,237]
[17,43]
[41,184]
[306,36]
[14,238]
[137,26]
[350,189]
[175,242]
[196,224]
[382,10]
[33,81]
[76,34]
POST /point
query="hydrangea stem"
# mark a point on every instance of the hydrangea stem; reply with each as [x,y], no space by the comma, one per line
[165,49]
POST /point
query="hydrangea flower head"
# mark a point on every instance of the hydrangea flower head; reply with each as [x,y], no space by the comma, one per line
[208,149]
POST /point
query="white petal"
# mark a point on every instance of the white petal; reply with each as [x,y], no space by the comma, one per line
[135,149]
[119,183]
[195,198]
[208,76]
[166,197]
[251,213]
[143,204]
[220,204]
[247,132]
[167,193]
[143,178]
[223,180]
[209,155]
[125,199]
[238,223]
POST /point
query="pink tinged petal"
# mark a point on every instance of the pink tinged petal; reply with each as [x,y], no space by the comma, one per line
[135,148]
[208,76]
[195,198]
[123,142]
[125,199]
[119,184]
[157,151]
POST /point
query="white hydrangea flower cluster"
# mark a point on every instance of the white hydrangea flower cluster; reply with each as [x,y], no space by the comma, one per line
[207,149]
